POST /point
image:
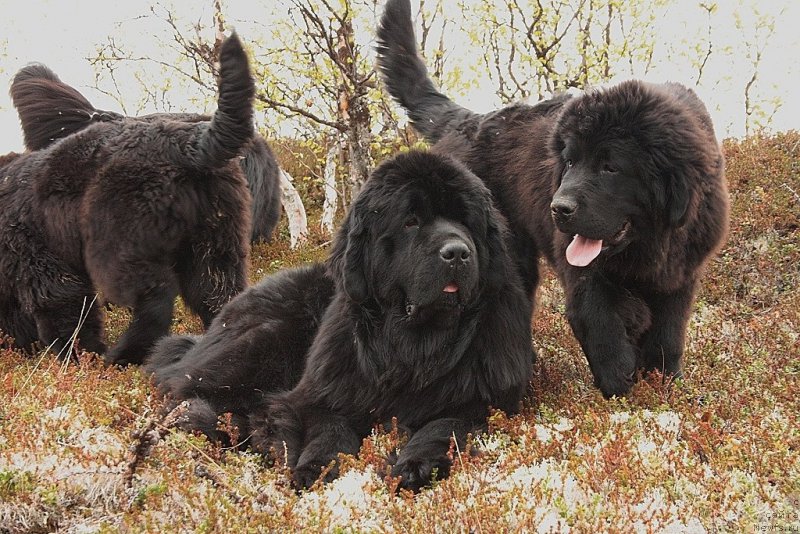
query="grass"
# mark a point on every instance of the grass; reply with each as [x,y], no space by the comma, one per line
[83,448]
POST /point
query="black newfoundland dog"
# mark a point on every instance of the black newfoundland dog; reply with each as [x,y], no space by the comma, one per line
[50,109]
[621,189]
[138,211]
[428,322]
[257,344]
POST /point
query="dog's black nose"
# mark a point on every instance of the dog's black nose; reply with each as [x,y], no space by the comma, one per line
[563,208]
[454,251]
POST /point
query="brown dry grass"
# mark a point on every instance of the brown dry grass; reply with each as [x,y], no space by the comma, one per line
[82,449]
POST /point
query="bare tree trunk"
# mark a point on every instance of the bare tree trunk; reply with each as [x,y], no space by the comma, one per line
[358,146]
[295,212]
[353,110]
[331,203]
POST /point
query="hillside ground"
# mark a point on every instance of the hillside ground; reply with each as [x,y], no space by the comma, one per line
[83,448]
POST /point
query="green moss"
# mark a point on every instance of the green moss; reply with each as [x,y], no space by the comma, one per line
[13,483]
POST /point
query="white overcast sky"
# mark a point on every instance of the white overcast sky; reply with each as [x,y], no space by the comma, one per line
[63,33]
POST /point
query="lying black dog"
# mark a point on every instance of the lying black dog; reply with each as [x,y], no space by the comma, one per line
[256,345]
[429,323]
[50,109]
[138,211]
[622,189]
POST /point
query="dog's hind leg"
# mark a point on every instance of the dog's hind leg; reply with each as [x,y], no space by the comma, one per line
[70,314]
[14,322]
[152,315]
[168,353]
[214,278]
[55,303]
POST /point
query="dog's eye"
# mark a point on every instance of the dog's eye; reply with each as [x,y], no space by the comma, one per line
[411,221]
[609,168]
[568,163]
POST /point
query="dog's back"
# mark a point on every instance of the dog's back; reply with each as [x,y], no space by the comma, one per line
[50,109]
[138,210]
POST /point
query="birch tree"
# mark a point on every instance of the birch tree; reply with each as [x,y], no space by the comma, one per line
[758,113]
[537,48]
[320,73]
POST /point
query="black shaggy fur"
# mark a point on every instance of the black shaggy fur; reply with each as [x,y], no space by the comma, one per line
[138,211]
[50,109]
[634,171]
[429,323]
[256,345]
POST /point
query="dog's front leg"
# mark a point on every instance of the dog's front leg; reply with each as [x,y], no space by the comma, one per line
[327,435]
[151,319]
[662,346]
[607,320]
[306,438]
[425,456]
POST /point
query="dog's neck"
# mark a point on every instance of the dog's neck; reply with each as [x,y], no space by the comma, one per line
[392,347]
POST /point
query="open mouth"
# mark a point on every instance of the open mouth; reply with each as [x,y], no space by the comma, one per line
[619,236]
[583,250]
[452,287]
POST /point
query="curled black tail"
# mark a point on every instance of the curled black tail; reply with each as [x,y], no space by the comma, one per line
[49,109]
[232,124]
[406,77]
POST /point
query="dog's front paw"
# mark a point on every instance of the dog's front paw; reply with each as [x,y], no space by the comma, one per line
[306,475]
[122,357]
[416,473]
[667,367]
[615,380]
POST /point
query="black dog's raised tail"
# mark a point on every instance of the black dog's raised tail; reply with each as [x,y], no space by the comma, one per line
[48,108]
[232,124]
[406,76]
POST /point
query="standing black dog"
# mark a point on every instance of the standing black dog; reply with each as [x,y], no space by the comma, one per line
[428,323]
[621,189]
[50,109]
[137,210]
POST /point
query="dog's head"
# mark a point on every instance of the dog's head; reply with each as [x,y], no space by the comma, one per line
[629,159]
[421,239]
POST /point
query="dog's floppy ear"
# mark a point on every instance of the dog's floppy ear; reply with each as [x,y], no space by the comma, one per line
[677,200]
[355,263]
[348,259]
[499,259]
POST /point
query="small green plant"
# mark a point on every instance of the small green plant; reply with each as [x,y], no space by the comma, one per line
[15,482]
[147,492]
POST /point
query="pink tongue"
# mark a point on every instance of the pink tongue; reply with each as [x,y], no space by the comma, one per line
[583,250]
[451,288]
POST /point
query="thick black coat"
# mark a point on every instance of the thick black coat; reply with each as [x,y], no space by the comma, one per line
[137,211]
[621,189]
[430,324]
[256,345]
[50,109]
